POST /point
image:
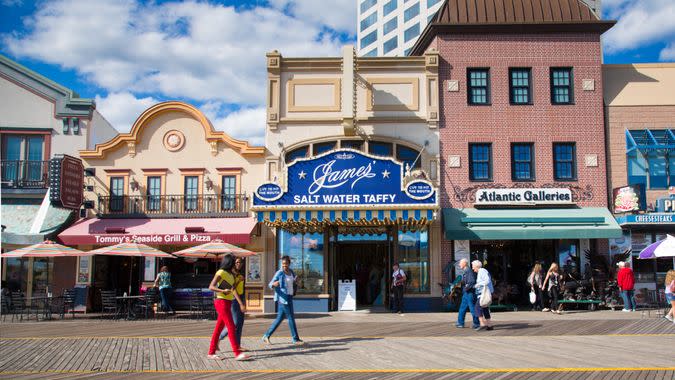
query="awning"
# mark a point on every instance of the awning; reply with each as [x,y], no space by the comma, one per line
[650,140]
[529,224]
[18,220]
[188,231]
[316,219]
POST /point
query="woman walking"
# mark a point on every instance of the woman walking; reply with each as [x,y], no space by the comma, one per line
[283,284]
[163,281]
[237,312]
[223,285]
[483,281]
[670,294]
[535,282]
[553,281]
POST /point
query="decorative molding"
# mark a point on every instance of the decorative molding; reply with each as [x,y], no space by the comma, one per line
[588,84]
[454,161]
[468,194]
[117,171]
[453,85]
[337,98]
[160,109]
[154,171]
[370,98]
[214,147]
[132,148]
[174,140]
[591,160]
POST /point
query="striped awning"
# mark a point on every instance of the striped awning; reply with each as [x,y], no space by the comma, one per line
[317,219]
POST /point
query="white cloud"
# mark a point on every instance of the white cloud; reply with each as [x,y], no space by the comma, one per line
[11,3]
[121,109]
[339,15]
[668,53]
[638,23]
[246,124]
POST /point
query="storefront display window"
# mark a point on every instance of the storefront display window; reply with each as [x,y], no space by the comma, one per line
[643,269]
[413,258]
[569,257]
[17,274]
[307,259]
[42,274]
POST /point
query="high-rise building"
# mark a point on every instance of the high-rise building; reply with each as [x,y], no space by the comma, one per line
[391,27]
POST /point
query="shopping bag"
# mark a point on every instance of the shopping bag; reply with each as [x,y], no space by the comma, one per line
[533,297]
[485,297]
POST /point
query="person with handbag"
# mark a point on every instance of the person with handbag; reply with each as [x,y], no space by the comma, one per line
[398,288]
[670,294]
[284,286]
[553,281]
[534,280]
[484,290]
[237,312]
[468,295]
[222,285]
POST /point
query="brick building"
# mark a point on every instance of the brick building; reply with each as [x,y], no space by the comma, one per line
[640,121]
[521,136]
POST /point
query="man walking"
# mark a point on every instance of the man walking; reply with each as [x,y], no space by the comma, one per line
[283,284]
[468,295]
[626,282]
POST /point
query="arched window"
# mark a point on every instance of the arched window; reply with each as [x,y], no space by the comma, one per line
[296,153]
[408,157]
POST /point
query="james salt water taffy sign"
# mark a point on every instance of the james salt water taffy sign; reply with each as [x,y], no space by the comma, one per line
[346,177]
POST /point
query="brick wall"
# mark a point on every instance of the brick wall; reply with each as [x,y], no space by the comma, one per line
[621,118]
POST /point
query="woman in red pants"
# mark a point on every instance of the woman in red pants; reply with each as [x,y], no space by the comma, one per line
[223,284]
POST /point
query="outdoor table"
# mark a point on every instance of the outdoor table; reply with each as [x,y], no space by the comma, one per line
[45,302]
[128,299]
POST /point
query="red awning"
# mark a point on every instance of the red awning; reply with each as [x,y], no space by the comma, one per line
[158,231]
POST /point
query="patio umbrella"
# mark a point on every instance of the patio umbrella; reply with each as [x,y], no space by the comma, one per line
[45,249]
[662,248]
[131,249]
[214,248]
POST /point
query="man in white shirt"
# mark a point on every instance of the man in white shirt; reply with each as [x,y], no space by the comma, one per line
[398,287]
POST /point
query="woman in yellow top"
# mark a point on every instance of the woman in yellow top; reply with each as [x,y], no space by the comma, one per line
[223,285]
[237,313]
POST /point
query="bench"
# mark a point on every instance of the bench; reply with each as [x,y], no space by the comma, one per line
[592,304]
[504,307]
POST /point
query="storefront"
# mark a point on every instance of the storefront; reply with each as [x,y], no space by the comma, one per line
[349,215]
[512,229]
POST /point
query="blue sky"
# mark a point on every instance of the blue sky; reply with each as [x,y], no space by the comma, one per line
[131,54]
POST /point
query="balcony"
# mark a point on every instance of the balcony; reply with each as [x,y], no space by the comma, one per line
[25,174]
[173,206]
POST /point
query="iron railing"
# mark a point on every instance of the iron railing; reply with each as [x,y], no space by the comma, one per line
[172,205]
[21,174]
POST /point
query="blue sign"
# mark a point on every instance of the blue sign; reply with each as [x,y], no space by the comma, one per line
[649,218]
[346,177]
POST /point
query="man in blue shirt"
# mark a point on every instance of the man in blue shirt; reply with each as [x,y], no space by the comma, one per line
[468,295]
[283,285]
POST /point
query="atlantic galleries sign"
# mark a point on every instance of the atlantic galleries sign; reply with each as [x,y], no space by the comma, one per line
[345,177]
[523,197]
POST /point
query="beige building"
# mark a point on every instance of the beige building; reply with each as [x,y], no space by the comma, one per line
[359,109]
[172,182]
[640,124]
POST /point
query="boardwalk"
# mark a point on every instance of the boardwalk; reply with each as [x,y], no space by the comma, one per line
[523,345]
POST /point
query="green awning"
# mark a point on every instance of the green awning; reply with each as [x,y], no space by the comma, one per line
[18,219]
[529,224]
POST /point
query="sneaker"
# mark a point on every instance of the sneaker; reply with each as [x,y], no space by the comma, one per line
[626,310]
[214,357]
[633,310]
[668,317]
[242,357]
[545,309]
[459,326]
[266,339]
[478,328]
[299,342]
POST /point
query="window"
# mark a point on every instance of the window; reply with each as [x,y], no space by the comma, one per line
[389,7]
[372,53]
[519,86]
[296,153]
[411,32]
[478,89]
[565,161]
[561,85]
[154,190]
[389,26]
[22,159]
[413,258]
[408,156]
[658,169]
[480,165]
[407,52]
[323,147]
[649,159]
[229,193]
[116,193]
[380,149]
[637,169]
[431,3]
[430,17]
[191,192]
[569,258]
[411,12]
[307,258]
[369,39]
[390,45]
[368,21]
[352,144]
[367,4]
[522,168]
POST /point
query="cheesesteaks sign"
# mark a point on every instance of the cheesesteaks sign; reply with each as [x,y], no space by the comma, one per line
[523,197]
[345,177]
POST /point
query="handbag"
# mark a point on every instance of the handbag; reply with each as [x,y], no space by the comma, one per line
[533,297]
[485,297]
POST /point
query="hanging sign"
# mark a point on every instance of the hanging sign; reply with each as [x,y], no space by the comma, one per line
[66,182]
[346,177]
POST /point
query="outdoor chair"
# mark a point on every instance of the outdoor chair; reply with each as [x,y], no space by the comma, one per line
[145,305]
[18,306]
[109,303]
[652,301]
[196,303]
[6,306]
[68,302]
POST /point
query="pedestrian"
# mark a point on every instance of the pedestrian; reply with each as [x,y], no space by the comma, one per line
[468,295]
[670,294]
[483,281]
[553,281]
[626,281]
[223,284]
[398,288]
[237,310]
[535,282]
[283,283]
[163,281]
